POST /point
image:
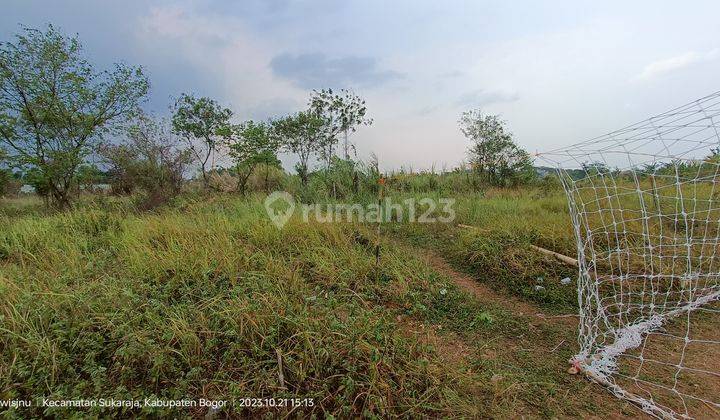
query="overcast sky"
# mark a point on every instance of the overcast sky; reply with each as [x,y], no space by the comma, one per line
[557,71]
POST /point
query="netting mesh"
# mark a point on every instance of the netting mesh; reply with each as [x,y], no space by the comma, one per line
[645,206]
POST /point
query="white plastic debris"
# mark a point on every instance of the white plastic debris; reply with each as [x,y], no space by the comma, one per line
[566,280]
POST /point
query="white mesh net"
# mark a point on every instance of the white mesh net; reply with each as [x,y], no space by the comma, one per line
[645,206]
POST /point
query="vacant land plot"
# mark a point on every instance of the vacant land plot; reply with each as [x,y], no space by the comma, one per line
[208,299]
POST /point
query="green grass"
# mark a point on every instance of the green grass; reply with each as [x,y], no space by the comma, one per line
[197,299]
[197,304]
[496,249]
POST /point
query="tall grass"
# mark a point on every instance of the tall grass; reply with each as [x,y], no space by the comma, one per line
[199,302]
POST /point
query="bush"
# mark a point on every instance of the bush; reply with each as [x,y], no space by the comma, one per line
[150,160]
[9,184]
[268,178]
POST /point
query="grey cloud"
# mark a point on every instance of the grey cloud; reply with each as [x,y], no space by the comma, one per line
[484,97]
[317,70]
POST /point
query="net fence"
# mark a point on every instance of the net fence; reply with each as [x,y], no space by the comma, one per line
[645,206]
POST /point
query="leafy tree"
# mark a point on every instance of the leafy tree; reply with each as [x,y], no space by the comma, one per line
[252,144]
[341,114]
[150,159]
[54,106]
[493,154]
[301,134]
[204,125]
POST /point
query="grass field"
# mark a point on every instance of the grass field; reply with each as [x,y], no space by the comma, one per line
[205,298]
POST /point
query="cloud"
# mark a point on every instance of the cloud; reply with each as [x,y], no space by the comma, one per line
[668,65]
[177,23]
[230,58]
[483,97]
[316,70]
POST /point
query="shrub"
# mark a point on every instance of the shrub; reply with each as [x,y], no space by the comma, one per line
[9,184]
[150,160]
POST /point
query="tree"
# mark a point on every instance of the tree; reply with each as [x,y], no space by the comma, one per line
[252,144]
[204,125]
[150,158]
[300,134]
[341,113]
[494,155]
[55,108]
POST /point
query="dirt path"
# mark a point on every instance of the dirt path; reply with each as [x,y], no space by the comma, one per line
[486,294]
[542,354]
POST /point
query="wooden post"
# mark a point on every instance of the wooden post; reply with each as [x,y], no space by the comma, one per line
[560,257]
[381,186]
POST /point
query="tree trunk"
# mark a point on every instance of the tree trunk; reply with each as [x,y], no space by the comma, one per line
[60,199]
[203,164]
[206,182]
[243,179]
[303,172]
[267,172]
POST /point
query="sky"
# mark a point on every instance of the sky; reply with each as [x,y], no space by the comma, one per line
[558,72]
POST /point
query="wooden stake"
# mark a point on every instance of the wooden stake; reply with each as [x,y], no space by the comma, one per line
[560,257]
[280,368]
[381,186]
